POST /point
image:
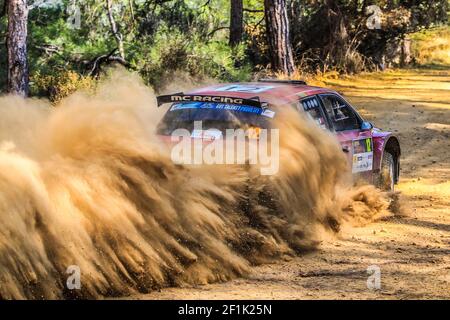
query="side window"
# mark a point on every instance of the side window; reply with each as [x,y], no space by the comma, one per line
[312,108]
[340,113]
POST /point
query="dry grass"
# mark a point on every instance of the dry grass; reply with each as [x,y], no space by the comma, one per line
[432,47]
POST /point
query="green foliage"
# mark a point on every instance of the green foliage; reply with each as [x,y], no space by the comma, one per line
[160,38]
[169,52]
[163,37]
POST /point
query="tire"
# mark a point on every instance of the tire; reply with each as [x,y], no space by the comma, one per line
[386,178]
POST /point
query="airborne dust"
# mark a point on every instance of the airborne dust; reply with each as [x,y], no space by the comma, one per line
[89,183]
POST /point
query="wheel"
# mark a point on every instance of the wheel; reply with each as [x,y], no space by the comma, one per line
[386,178]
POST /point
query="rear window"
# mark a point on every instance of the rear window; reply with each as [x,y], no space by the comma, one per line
[214,116]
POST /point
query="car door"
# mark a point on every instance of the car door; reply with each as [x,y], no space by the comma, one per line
[346,123]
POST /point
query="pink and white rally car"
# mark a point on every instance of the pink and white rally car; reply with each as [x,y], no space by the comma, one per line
[372,153]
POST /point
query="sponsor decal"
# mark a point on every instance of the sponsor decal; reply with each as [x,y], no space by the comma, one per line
[210,134]
[194,98]
[362,155]
[309,104]
[186,98]
[221,106]
[268,113]
[244,88]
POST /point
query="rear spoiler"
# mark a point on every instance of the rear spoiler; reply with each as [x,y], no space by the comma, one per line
[186,98]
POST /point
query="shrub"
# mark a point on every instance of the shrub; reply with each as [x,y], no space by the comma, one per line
[61,84]
[159,57]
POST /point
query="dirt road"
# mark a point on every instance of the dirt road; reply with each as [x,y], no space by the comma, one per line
[412,252]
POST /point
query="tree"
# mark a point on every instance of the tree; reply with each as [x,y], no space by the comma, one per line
[17,47]
[278,37]
[236,22]
[117,35]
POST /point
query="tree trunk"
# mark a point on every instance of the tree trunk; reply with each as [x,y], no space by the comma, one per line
[236,22]
[17,47]
[278,37]
[117,35]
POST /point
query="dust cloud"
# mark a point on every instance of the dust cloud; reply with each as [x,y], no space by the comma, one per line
[88,183]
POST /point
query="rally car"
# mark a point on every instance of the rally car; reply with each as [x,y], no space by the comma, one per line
[371,152]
